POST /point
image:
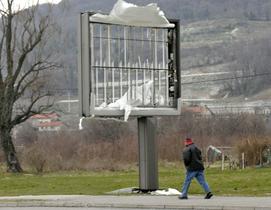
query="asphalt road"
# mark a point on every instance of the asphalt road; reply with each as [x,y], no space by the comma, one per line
[60,208]
[132,202]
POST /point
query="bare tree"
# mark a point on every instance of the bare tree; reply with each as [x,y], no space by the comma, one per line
[23,35]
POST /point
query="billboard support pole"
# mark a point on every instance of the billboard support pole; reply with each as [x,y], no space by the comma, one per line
[148,161]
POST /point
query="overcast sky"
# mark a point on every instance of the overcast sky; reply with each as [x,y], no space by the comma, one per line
[26,3]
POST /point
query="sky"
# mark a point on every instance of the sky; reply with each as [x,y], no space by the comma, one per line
[26,3]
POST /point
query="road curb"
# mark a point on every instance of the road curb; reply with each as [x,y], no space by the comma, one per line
[137,202]
[125,206]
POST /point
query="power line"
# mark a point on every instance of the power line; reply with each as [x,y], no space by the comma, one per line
[184,83]
[229,78]
[239,107]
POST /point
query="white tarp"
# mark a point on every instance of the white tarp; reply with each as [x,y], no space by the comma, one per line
[169,191]
[80,123]
[130,14]
[127,105]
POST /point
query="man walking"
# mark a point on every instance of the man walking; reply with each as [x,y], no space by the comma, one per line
[194,169]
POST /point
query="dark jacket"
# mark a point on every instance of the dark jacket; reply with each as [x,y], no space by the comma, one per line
[192,158]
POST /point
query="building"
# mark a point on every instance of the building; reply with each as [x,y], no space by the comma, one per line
[47,122]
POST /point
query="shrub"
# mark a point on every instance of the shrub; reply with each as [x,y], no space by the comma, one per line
[60,151]
[113,144]
[253,148]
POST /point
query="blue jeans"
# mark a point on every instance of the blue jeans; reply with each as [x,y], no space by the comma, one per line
[199,175]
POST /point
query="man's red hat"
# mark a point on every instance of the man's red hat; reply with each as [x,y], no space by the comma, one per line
[188,141]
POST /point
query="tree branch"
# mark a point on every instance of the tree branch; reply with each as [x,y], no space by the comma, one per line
[38,66]
[14,38]
[28,48]
[8,39]
[1,51]
[30,111]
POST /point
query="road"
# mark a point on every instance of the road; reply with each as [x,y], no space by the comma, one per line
[61,208]
[132,202]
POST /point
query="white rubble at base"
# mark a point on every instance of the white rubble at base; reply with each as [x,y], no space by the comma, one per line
[124,13]
[169,191]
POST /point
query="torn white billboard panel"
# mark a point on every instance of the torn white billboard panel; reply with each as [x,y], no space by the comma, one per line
[124,13]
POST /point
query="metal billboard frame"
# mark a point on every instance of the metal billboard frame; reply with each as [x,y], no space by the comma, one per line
[85,81]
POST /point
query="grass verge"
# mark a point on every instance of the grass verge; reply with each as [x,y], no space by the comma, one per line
[248,182]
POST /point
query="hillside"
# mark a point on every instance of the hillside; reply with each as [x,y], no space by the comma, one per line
[212,49]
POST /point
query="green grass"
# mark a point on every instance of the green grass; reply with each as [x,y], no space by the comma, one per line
[65,183]
[248,182]
[229,182]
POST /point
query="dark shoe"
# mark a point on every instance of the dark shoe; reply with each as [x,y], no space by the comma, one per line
[182,197]
[208,195]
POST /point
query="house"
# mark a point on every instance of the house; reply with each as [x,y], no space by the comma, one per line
[47,122]
[195,109]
